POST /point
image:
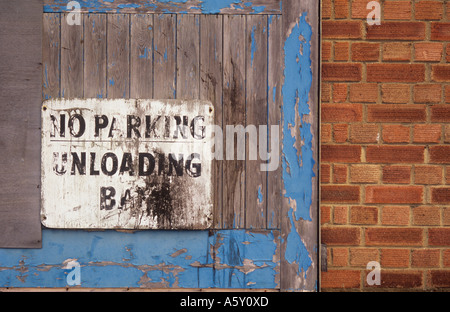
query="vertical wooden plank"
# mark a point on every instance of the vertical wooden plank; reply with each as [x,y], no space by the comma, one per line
[299,213]
[164,63]
[21,93]
[234,46]
[256,107]
[94,55]
[118,56]
[51,49]
[188,42]
[71,59]
[141,56]
[274,117]
[211,89]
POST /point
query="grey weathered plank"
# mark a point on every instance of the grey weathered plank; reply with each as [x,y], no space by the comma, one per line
[256,179]
[274,116]
[141,56]
[211,89]
[118,56]
[164,62]
[94,55]
[299,270]
[234,46]
[21,93]
[51,50]
[71,59]
[154,6]
[188,65]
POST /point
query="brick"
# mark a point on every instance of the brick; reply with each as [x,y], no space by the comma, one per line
[396,31]
[325,173]
[426,215]
[364,92]
[325,214]
[447,134]
[359,9]
[395,215]
[394,258]
[395,72]
[425,258]
[339,256]
[439,237]
[395,93]
[341,112]
[446,257]
[396,113]
[397,51]
[440,113]
[440,31]
[399,279]
[427,175]
[339,92]
[341,153]
[395,154]
[340,236]
[325,92]
[340,215]
[327,9]
[428,10]
[397,10]
[364,173]
[339,174]
[439,154]
[427,93]
[362,256]
[395,134]
[447,175]
[440,195]
[364,133]
[325,133]
[384,236]
[427,133]
[439,278]
[364,51]
[326,51]
[341,279]
[394,194]
[341,30]
[340,8]
[397,174]
[446,216]
[428,51]
[440,73]
[341,72]
[341,51]
[447,53]
[340,194]
[363,215]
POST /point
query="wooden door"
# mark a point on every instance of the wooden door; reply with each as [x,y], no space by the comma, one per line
[257,62]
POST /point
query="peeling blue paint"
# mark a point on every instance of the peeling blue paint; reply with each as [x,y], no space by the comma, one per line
[260,195]
[111,81]
[258,9]
[298,168]
[145,54]
[253,46]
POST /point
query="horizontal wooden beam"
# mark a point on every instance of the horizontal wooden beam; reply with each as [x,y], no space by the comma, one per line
[169,7]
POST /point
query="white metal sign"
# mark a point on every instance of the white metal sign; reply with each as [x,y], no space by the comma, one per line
[126,164]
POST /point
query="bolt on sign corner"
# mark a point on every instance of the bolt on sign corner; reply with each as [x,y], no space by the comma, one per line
[126,164]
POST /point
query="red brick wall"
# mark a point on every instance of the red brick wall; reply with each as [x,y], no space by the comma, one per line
[385,152]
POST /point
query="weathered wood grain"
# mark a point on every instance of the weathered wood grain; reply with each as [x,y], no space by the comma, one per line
[118,56]
[94,55]
[234,47]
[183,7]
[141,56]
[188,65]
[71,59]
[164,62]
[256,115]
[274,117]
[21,93]
[51,49]
[211,89]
